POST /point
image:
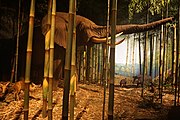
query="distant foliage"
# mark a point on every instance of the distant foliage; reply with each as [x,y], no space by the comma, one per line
[155,6]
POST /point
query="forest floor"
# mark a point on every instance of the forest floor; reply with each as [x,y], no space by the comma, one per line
[128,104]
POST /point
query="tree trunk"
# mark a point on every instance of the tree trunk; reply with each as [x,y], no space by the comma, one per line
[179,52]
[133,47]
[161,61]
[28,60]
[168,56]
[127,52]
[140,53]
[155,56]
[99,63]
[174,64]
[145,52]
[144,68]
[96,63]
[151,55]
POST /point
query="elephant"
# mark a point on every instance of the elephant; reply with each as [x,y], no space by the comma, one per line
[88,32]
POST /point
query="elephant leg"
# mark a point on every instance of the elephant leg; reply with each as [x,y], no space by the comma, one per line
[58,69]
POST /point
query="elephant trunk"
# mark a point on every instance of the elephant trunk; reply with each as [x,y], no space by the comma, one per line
[136,28]
[98,34]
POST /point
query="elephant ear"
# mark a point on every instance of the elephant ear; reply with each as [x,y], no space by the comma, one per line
[60,30]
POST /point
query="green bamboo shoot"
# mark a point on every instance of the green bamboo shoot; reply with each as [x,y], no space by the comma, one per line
[46,61]
[51,60]
[74,76]
[28,59]
[68,61]
[112,61]
[17,42]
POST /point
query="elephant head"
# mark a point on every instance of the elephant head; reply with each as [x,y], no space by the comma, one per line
[88,31]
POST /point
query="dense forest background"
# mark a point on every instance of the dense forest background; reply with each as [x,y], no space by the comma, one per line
[128,11]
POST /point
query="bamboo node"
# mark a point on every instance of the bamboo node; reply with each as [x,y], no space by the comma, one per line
[53,13]
[26,81]
[29,50]
[31,14]
[25,110]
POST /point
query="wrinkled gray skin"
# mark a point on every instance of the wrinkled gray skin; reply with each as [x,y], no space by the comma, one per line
[87,31]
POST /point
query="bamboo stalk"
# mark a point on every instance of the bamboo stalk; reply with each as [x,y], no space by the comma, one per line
[46,61]
[174,64]
[80,66]
[91,65]
[88,65]
[133,47]
[105,61]
[12,70]
[179,52]
[68,61]
[145,65]
[112,60]
[51,60]
[101,65]
[161,62]
[84,64]
[28,59]
[127,55]
[17,42]
[151,55]
[104,79]
[74,77]
[154,54]
[45,94]
[96,63]
[140,53]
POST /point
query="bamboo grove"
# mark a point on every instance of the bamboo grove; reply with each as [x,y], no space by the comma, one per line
[159,51]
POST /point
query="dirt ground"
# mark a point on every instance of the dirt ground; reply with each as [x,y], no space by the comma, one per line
[128,104]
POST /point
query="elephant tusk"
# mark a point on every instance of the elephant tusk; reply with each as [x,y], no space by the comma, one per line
[117,43]
[119,34]
[102,40]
